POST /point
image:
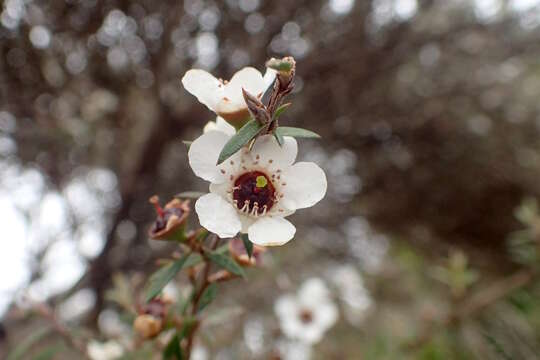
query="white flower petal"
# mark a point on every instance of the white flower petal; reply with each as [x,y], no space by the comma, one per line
[217,215]
[313,291]
[220,189]
[286,306]
[223,126]
[246,222]
[219,125]
[303,185]
[204,86]
[326,315]
[271,155]
[271,231]
[311,333]
[269,77]
[203,155]
[248,78]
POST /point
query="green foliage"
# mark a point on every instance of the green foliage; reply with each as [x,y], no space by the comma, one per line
[248,245]
[160,278]
[456,274]
[527,211]
[296,132]
[524,245]
[227,263]
[241,138]
[121,292]
[279,138]
[279,111]
[49,352]
[207,296]
[24,346]
[498,347]
[173,351]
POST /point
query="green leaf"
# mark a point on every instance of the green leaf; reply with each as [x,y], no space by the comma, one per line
[24,346]
[281,109]
[227,263]
[160,278]
[207,296]
[49,352]
[296,132]
[190,195]
[279,138]
[248,245]
[173,349]
[241,138]
[187,143]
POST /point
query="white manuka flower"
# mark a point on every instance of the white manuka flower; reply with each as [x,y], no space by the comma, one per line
[109,350]
[252,191]
[225,97]
[307,315]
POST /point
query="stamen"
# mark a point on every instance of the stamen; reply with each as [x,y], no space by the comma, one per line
[154,200]
[254,192]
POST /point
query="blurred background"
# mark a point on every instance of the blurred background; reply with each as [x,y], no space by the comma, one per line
[429,112]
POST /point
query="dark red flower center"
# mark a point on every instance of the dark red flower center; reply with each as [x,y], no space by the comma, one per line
[254,190]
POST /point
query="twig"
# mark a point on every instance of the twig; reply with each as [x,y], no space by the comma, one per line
[477,302]
[196,299]
[61,329]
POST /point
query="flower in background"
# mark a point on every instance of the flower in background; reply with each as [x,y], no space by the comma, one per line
[352,292]
[292,350]
[307,315]
[225,97]
[253,191]
[109,350]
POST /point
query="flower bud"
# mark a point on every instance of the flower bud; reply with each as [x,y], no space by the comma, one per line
[286,68]
[239,253]
[147,326]
[151,318]
[170,221]
[256,108]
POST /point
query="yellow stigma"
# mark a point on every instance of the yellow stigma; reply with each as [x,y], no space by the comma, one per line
[261,181]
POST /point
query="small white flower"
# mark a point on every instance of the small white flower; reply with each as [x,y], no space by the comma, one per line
[307,315]
[252,191]
[109,350]
[225,97]
[293,350]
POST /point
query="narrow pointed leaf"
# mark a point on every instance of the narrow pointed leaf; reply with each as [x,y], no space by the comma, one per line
[241,138]
[227,263]
[208,296]
[248,245]
[160,278]
[280,110]
[279,138]
[173,351]
[296,132]
[22,348]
